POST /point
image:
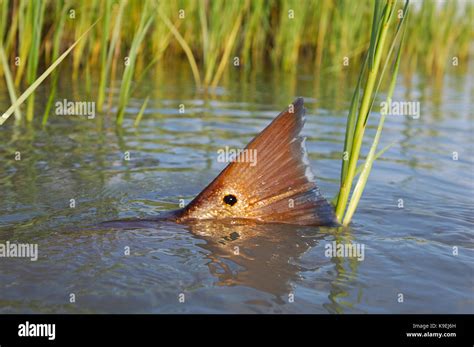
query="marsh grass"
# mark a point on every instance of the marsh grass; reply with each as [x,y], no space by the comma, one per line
[210,34]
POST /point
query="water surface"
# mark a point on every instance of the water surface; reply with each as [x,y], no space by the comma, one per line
[278,268]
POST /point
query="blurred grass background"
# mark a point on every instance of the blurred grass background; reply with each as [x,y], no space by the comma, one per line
[134,36]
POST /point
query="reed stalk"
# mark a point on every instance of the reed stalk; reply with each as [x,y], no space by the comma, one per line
[145,22]
[353,141]
[9,80]
[105,50]
[58,33]
[38,8]
[184,45]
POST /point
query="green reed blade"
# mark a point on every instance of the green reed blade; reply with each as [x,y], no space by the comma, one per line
[59,30]
[140,113]
[25,25]
[104,61]
[9,80]
[33,56]
[110,65]
[184,45]
[228,47]
[145,23]
[351,120]
[375,32]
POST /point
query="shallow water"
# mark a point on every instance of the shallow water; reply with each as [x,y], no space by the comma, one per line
[278,268]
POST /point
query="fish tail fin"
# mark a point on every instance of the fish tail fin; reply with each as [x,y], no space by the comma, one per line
[277,187]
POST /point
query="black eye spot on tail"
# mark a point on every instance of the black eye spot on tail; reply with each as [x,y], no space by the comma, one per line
[230,199]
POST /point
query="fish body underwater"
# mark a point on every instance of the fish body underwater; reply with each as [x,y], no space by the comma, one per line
[275,186]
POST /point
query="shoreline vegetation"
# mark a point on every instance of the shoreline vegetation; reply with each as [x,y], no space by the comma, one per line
[128,38]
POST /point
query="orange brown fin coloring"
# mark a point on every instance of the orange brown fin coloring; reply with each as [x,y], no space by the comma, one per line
[278,188]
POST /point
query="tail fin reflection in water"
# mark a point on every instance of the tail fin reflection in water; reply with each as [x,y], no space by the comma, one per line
[263,254]
[271,258]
